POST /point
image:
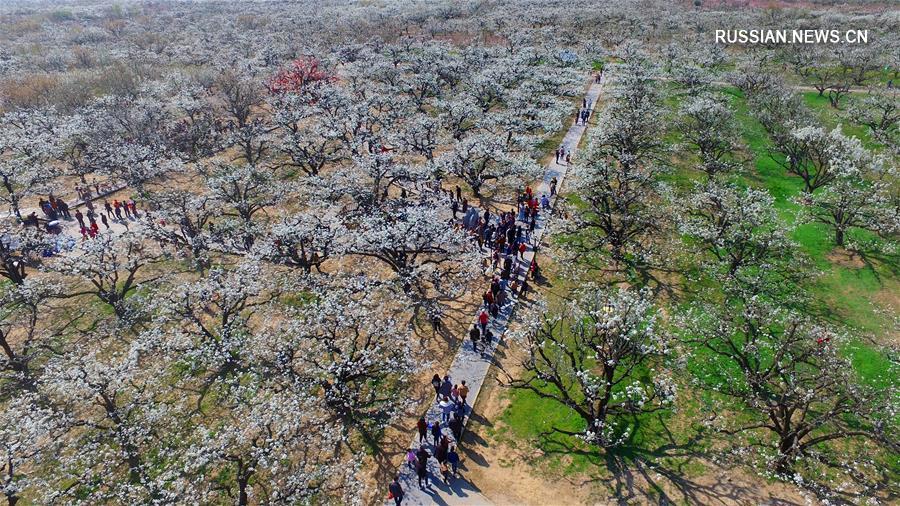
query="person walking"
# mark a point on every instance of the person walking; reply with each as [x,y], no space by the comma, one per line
[64,209]
[440,453]
[486,339]
[474,335]
[436,383]
[445,472]
[104,221]
[436,432]
[488,297]
[396,491]
[446,386]
[422,467]
[422,455]
[463,391]
[446,406]
[422,426]
[109,209]
[453,460]
[553,186]
[79,217]
[460,410]
[483,320]
[456,427]
[411,459]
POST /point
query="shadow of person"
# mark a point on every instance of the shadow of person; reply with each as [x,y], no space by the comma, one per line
[473,457]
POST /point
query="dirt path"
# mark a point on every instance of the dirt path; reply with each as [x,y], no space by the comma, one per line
[473,366]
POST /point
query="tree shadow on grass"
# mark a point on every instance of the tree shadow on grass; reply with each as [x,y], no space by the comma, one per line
[875,260]
[658,475]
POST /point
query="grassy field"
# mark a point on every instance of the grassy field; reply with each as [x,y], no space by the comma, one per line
[854,294]
[858,291]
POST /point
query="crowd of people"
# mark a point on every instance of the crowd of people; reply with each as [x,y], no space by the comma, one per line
[504,238]
[55,209]
[451,401]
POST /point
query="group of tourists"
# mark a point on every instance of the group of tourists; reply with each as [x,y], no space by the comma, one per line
[564,155]
[120,212]
[583,114]
[506,236]
[452,404]
[55,209]
[89,191]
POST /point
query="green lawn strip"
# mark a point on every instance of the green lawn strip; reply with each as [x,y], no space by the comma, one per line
[529,419]
[831,117]
[847,290]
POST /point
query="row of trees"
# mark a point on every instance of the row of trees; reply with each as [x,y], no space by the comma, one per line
[737,326]
[251,335]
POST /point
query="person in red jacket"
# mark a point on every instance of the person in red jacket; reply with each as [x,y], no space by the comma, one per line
[483,320]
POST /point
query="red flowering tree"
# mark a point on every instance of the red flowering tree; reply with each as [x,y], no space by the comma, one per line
[296,76]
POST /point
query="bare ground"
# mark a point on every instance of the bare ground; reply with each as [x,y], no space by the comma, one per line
[505,476]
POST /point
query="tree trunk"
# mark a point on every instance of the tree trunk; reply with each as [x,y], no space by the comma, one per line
[15,273]
[243,498]
[134,465]
[783,464]
[13,199]
[15,206]
[839,236]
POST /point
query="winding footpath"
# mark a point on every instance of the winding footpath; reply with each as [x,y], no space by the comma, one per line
[471,366]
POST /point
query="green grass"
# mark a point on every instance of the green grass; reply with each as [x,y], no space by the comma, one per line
[848,291]
[529,420]
[831,118]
